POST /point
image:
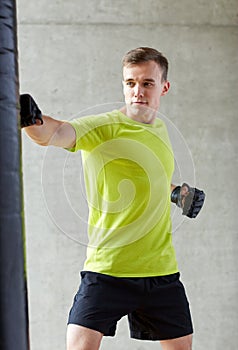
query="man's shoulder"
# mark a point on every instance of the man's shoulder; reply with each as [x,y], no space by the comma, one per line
[99,119]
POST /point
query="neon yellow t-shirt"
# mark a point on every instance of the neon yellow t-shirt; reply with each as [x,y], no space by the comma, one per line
[128,168]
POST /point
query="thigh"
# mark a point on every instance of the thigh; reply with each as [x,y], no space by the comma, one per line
[82,338]
[182,343]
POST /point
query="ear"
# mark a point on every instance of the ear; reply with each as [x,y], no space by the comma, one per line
[165,88]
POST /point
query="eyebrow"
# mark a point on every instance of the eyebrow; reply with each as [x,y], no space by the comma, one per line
[147,79]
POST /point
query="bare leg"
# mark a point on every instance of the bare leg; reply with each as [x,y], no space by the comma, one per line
[82,338]
[183,343]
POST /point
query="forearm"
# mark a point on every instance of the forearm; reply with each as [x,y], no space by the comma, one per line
[44,134]
[43,129]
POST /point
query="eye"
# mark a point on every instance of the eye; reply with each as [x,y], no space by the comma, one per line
[148,84]
[130,83]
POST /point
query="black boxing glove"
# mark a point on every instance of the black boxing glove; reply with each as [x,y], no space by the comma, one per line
[189,199]
[29,111]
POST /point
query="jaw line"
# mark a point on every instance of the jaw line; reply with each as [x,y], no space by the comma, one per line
[133,112]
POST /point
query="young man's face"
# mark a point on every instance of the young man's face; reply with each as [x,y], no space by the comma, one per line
[142,87]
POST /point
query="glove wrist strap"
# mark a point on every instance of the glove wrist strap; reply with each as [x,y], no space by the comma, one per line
[175,195]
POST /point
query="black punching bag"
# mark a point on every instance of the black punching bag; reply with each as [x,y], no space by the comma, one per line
[13,305]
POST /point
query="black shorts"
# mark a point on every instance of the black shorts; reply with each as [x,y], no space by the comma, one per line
[157,307]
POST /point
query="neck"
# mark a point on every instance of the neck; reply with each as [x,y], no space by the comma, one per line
[147,118]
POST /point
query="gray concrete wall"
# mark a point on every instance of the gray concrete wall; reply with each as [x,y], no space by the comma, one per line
[70,60]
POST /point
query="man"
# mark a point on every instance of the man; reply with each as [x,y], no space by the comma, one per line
[131,268]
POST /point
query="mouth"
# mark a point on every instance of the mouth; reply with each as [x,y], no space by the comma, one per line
[142,103]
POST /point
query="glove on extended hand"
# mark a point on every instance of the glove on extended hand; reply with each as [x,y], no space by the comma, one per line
[29,111]
[189,199]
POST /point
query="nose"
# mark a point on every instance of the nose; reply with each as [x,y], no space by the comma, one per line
[138,91]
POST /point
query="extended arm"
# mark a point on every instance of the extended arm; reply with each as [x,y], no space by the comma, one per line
[45,130]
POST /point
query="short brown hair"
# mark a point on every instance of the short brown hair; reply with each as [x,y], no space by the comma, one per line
[145,54]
